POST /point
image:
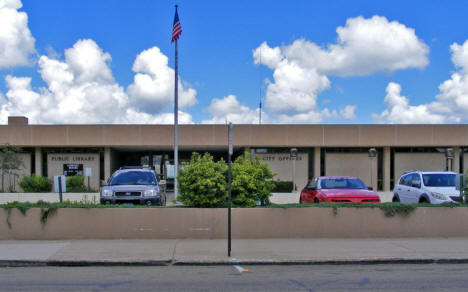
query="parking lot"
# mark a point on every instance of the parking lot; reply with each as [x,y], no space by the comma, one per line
[290,198]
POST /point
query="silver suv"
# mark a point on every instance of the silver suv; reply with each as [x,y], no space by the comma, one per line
[135,185]
[435,187]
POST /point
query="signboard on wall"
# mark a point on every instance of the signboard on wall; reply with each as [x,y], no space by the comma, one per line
[71,164]
[288,168]
[72,169]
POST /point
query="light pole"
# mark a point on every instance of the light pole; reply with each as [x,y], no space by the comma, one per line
[372,155]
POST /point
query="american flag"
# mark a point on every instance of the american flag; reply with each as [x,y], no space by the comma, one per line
[176,29]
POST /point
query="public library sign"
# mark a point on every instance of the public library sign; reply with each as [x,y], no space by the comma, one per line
[71,164]
[64,158]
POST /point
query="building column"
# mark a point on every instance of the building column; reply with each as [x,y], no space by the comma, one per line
[38,161]
[456,160]
[107,163]
[247,154]
[317,159]
[386,169]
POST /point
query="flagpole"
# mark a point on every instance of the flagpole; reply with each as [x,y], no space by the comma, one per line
[176,120]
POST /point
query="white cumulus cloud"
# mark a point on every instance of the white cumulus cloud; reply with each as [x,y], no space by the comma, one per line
[153,86]
[16,41]
[133,116]
[301,70]
[449,106]
[79,90]
[364,46]
[228,109]
[399,110]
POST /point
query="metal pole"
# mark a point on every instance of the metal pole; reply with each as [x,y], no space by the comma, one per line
[60,188]
[294,174]
[176,121]
[229,186]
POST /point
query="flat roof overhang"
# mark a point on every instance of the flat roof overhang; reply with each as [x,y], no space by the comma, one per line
[205,136]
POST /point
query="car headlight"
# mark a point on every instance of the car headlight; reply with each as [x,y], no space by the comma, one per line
[106,193]
[438,196]
[150,193]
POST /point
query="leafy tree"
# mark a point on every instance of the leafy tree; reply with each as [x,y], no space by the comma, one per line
[202,182]
[251,182]
[10,161]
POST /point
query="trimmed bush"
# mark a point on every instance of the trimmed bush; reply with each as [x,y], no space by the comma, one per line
[251,182]
[202,182]
[282,186]
[75,184]
[35,184]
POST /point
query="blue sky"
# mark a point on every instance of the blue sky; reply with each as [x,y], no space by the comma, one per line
[393,76]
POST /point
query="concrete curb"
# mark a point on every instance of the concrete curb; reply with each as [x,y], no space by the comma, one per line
[78,263]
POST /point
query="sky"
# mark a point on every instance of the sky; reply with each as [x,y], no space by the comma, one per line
[307,62]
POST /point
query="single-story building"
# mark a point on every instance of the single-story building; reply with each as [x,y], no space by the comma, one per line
[50,150]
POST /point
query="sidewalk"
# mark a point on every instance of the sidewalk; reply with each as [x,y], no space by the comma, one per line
[244,251]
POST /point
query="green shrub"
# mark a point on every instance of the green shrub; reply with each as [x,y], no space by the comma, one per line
[251,182]
[75,184]
[202,182]
[35,184]
[282,186]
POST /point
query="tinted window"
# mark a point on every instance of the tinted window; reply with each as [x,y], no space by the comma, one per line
[402,181]
[133,178]
[406,180]
[312,183]
[439,179]
[415,178]
[342,183]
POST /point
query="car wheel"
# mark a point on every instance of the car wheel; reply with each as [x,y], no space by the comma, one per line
[423,200]
[395,199]
[149,203]
[316,201]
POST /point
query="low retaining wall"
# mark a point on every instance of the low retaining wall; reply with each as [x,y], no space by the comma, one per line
[49,197]
[246,223]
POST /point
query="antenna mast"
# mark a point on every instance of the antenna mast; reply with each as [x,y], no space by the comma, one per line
[260,81]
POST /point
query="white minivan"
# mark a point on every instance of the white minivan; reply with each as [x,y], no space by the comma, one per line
[435,187]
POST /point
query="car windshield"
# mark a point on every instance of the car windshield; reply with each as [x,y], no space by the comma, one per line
[342,183]
[439,179]
[133,178]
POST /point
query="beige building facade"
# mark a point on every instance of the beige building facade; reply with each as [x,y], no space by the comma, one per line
[322,149]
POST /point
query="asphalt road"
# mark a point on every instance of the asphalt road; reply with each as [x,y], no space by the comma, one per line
[434,277]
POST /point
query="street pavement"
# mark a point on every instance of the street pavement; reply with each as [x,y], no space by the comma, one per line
[244,251]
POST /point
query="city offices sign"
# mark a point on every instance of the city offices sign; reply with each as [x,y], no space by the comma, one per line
[288,168]
[280,157]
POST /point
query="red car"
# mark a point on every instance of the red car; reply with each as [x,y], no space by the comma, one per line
[338,189]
